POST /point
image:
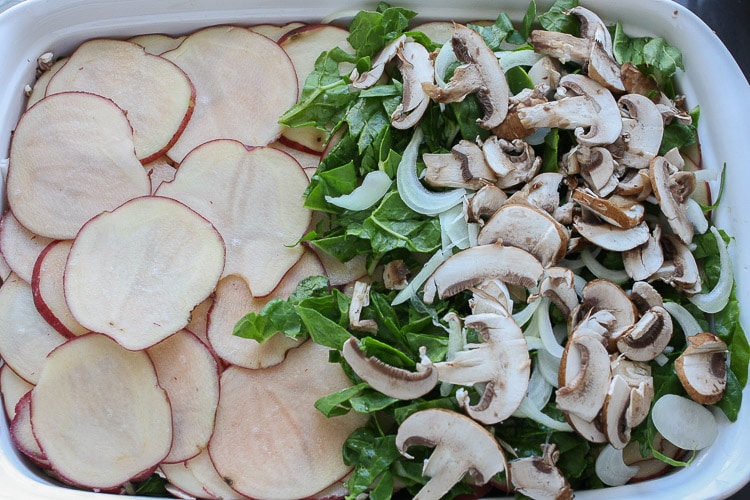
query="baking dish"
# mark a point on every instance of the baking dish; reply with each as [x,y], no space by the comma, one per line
[712,80]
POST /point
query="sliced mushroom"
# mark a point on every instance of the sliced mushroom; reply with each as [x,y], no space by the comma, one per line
[680,268]
[597,168]
[360,299]
[395,275]
[620,211]
[371,77]
[611,237]
[592,431]
[513,162]
[644,296]
[603,295]
[648,337]
[614,412]
[485,202]
[528,228]
[645,260]
[511,128]
[670,193]
[638,376]
[539,477]
[558,284]
[546,71]
[586,104]
[542,191]
[491,296]
[391,381]
[462,448]
[501,361]
[416,70]
[481,73]
[464,166]
[470,267]
[584,377]
[642,131]
[636,81]
[635,182]
[702,368]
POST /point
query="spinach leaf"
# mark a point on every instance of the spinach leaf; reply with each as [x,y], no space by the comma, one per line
[393,225]
[555,19]
[371,30]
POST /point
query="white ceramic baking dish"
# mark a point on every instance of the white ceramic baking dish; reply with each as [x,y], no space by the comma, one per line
[712,79]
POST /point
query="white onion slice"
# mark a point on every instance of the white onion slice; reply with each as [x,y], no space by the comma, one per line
[707,174]
[373,188]
[612,469]
[513,58]
[528,410]
[695,215]
[684,423]
[454,229]
[456,343]
[413,193]
[427,269]
[445,58]
[524,315]
[549,366]
[597,269]
[717,299]
[682,316]
[544,325]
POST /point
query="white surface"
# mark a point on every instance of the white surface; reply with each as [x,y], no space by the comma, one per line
[712,80]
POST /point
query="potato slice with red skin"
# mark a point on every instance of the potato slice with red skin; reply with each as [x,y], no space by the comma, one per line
[275,31]
[98,413]
[243,83]
[270,441]
[187,370]
[198,324]
[254,197]
[182,478]
[25,337]
[126,272]
[12,388]
[160,170]
[214,485]
[48,291]
[72,150]
[23,435]
[158,107]
[157,43]
[233,300]
[19,246]
[303,45]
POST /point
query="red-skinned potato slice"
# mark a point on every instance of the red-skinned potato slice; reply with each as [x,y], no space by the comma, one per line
[40,85]
[308,161]
[71,150]
[214,485]
[233,300]
[157,43]
[12,387]
[48,291]
[187,370]
[136,273]
[304,45]
[98,413]
[5,269]
[264,411]
[25,337]
[160,170]
[275,31]
[19,246]
[182,478]
[198,324]
[243,83]
[158,107]
[22,434]
[254,197]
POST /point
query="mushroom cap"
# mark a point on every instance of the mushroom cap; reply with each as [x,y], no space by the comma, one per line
[391,381]
[584,377]
[614,412]
[604,295]
[648,338]
[620,211]
[671,203]
[608,124]
[470,267]
[528,228]
[611,237]
[702,368]
[644,129]
[371,77]
[462,447]
[416,69]
[485,202]
[539,477]
[644,260]
[513,162]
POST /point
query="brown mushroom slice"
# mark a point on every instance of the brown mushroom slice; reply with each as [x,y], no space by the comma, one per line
[470,267]
[648,337]
[611,237]
[589,105]
[672,199]
[603,295]
[635,182]
[539,477]
[592,431]
[584,377]
[558,284]
[395,275]
[481,73]
[464,166]
[636,81]
[360,299]
[642,130]
[644,296]
[462,448]
[638,376]
[386,54]
[528,228]
[502,361]
[511,128]
[680,268]
[702,368]
[542,191]
[514,162]
[597,167]
[416,69]
[485,202]
[391,381]
[644,260]
[614,412]
[620,211]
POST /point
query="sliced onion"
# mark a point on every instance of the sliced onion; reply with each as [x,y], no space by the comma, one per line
[684,318]
[695,215]
[445,58]
[717,299]
[549,366]
[528,410]
[537,137]
[413,193]
[684,423]
[546,333]
[612,469]
[513,58]
[597,269]
[524,315]
[373,188]
[540,390]
[707,174]
[456,343]
[454,229]
[427,269]
[534,343]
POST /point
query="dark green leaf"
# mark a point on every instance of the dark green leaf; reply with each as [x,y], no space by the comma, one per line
[336,404]
[732,400]
[393,225]
[370,31]
[371,455]
[323,330]
[371,401]
[556,20]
